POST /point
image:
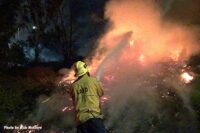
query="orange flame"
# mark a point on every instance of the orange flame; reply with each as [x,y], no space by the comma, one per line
[68,78]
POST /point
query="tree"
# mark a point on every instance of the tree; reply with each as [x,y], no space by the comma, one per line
[7,13]
[63,25]
[45,23]
[16,54]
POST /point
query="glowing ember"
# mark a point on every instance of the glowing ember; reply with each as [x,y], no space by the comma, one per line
[65,108]
[186,77]
[141,58]
[105,99]
[68,108]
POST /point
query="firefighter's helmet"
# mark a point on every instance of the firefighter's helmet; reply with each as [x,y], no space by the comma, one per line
[80,68]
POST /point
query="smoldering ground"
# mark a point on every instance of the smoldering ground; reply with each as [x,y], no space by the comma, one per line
[149,100]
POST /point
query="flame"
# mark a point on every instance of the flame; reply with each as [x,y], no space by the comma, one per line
[154,37]
[131,43]
[68,78]
[186,77]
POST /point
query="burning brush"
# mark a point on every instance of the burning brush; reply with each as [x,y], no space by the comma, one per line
[141,63]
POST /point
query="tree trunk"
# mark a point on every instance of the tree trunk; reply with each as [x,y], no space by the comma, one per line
[65,39]
[70,29]
[4,52]
[67,44]
[34,5]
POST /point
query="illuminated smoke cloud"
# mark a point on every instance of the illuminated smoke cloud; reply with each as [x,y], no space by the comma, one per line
[141,74]
[157,38]
[139,61]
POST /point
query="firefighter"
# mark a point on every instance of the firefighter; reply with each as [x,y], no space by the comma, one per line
[86,92]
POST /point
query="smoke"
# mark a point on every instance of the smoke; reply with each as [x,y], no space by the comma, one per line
[141,72]
[167,6]
[152,35]
[144,19]
[53,111]
[112,53]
